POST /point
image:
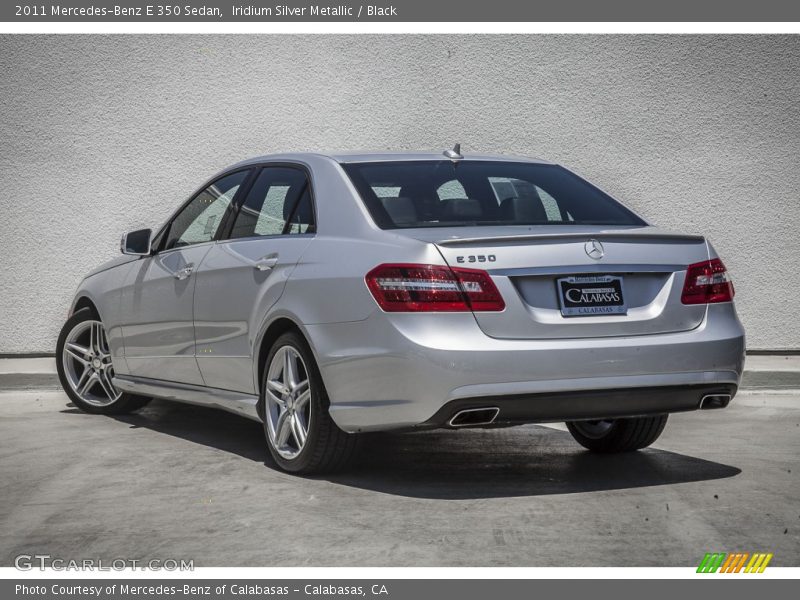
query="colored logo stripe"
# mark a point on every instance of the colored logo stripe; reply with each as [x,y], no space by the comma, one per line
[734,562]
[726,566]
[758,563]
[711,562]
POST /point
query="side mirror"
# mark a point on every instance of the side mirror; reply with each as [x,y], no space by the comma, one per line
[136,243]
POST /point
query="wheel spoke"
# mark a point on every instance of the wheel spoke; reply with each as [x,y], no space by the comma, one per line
[289,369]
[276,399]
[82,379]
[98,339]
[302,400]
[276,386]
[283,428]
[301,388]
[107,386]
[299,430]
[103,347]
[77,352]
[87,384]
[91,337]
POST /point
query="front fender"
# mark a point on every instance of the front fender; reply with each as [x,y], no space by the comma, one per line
[103,289]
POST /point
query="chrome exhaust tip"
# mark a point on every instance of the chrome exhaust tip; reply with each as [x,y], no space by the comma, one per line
[472,417]
[711,401]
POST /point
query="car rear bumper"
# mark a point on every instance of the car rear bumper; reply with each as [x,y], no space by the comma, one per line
[584,404]
[395,371]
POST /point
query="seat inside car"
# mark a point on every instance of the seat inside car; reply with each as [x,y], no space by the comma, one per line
[400,209]
[303,214]
[525,210]
[461,209]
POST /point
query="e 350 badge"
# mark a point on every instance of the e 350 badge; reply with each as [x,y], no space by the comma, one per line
[476,258]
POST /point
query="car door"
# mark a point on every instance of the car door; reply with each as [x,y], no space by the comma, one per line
[156,304]
[242,276]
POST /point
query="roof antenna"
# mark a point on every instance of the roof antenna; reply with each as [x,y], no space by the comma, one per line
[455,153]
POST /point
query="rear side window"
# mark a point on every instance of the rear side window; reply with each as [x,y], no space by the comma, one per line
[406,194]
[278,203]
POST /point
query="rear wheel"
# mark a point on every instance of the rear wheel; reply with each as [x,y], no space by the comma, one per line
[301,436]
[83,362]
[617,435]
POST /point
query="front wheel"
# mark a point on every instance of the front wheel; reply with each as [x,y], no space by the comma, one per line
[83,361]
[617,435]
[301,436]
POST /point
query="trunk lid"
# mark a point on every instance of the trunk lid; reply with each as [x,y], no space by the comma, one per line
[526,264]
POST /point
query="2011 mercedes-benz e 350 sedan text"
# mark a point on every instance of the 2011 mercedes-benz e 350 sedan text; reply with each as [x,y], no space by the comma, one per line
[328,295]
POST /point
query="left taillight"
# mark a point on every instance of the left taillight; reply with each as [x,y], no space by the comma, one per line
[707,282]
[433,288]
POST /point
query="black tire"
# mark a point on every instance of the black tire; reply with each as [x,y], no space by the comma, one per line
[126,403]
[617,435]
[327,448]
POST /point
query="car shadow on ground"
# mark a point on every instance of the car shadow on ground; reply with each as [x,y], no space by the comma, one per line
[529,460]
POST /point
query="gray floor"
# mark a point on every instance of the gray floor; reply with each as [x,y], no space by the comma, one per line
[182,482]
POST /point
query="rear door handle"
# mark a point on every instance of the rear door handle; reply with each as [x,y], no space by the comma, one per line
[183,273]
[266,263]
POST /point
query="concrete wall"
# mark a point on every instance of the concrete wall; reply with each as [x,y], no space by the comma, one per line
[103,134]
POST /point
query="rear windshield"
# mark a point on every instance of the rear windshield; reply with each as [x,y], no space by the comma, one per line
[446,193]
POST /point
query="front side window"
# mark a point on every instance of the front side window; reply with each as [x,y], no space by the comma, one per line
[405,194]
[199,221]
[278,203]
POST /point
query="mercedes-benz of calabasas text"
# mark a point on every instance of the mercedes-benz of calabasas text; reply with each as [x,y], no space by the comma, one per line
[326,295]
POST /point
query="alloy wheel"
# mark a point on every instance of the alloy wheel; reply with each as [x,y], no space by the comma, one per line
[87,364]
[288,402]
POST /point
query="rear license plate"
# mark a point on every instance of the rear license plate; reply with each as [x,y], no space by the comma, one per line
[591,295]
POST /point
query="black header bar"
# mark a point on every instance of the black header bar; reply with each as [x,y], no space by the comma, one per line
[221,11]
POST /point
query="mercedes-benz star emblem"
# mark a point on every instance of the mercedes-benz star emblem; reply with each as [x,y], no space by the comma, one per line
[594,249]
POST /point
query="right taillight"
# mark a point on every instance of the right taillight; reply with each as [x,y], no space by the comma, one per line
[707,282]
[433,288]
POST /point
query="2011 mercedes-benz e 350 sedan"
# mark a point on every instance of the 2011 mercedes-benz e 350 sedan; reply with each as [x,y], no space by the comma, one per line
[328,295]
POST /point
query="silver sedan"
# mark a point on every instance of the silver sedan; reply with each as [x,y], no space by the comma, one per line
[329,295]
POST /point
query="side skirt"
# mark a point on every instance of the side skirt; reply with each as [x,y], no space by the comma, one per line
[234,402]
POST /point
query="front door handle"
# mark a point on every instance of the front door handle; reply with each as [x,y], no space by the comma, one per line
[183,273]
[267,262]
